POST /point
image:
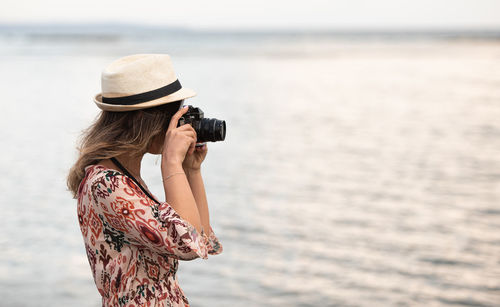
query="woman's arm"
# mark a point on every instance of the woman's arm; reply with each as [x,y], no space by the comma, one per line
[192,168]
[178,194]
[179,142]
[198,188]
[136,219]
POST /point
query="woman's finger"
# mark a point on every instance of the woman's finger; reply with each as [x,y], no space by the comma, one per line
[188,129]
[201,147]
[175,119]
[190,134]
[192,145]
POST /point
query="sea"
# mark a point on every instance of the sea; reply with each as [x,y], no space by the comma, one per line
[359,168]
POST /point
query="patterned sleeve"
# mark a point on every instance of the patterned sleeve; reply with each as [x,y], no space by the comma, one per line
[212,242]
[143,222]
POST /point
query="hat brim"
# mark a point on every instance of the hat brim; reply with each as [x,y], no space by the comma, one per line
[181,94]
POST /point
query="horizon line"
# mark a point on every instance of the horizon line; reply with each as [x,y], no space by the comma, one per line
[224,29]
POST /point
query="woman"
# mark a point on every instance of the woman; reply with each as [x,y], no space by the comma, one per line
[132,239]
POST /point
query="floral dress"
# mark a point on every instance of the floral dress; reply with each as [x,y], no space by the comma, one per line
[134,243]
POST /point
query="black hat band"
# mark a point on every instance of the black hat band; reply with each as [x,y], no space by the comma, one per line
[146,96]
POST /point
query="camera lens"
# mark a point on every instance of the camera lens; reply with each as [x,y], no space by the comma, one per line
[212,130]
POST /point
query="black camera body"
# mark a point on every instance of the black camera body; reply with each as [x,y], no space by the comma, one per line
[207,129]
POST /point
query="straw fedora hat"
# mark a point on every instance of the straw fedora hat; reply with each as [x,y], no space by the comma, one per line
[140,81]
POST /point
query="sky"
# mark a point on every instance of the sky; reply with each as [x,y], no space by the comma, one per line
[263,14]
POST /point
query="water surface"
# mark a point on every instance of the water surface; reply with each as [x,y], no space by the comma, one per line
[355,172]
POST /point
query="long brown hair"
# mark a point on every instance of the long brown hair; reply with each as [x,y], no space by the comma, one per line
[116,133]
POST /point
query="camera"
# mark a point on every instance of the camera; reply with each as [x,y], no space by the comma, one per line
[207,129]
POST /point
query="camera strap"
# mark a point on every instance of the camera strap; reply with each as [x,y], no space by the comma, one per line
[127,173]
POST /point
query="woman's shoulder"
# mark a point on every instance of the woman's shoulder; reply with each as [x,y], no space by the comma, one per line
[100,173]
[102,181]
[106,180]
[94,175]
[101,170]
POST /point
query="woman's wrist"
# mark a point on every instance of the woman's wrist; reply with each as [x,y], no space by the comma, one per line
[168,167]
[192,171]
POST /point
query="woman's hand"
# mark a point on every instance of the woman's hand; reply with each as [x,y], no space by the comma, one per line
[179,141]
[193,160]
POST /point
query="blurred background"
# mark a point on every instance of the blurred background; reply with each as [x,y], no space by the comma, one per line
[361,165]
